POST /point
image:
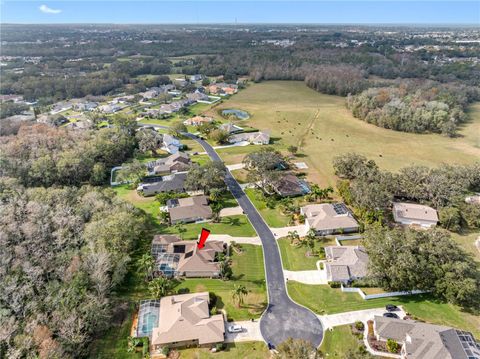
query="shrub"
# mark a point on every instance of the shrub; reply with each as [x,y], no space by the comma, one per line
[219,346]
[359,325]
[166,350]
[392,346]
[334,284]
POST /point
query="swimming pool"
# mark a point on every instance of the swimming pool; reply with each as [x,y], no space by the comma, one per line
[241,115]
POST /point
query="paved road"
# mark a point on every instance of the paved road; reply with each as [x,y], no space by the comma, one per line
[283,317]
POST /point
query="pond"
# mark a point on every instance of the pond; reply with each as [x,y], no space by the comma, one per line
[241,115]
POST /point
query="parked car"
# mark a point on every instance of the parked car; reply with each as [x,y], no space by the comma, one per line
[391,307]
[390,315]
[235,328]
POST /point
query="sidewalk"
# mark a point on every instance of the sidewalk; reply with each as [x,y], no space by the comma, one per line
[242,240]
[237,166]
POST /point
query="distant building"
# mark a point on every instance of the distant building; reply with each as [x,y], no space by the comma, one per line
[289,185]
[171,144]
[426,341]
[345,263]
[195,78]
[417,215]
[197,121]
[329,218]
[171,183]
[230,128]
[177,162]
[254,138]
[85,106]
[61,107]
[190,209]
[110,108]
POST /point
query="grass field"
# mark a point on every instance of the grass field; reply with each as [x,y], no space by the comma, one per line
[338,342]
[272,216]
[467,242]
[293,257]
[250,350]
[324,300]
[322,128]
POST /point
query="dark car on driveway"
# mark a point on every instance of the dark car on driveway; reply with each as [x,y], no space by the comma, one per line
[390,315]
[391,307]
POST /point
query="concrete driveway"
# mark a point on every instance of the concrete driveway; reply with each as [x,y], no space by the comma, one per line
[251,332]
[307,276]
[280,232]
[228,238]
[333,320]
[283,318]
[230,211]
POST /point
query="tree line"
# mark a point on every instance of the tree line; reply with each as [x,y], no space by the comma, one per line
[64,251]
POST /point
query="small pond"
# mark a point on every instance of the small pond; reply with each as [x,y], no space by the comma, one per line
[241,115]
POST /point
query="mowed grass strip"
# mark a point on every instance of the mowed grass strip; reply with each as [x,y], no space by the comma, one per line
[294,257]
[250,350]
[325,300]
[322,127]
[337,343]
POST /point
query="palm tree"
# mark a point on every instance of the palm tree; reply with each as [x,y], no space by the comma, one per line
[146,264]
[215,194]
[293,236]
[160,287]
[225,269]
[238,294]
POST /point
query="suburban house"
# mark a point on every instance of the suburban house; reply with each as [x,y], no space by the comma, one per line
[195,78]
[254,138]
[185,321]
[426,341]
[197,96]
[197,121]
[85,106]
[290,185]
[175,257]
[171,144]
[329,218]
[190,209]
[171,183]
[413,214]
[180,82]
[60,107]
[222,89]
[177,162]
[230,128]
[345,263]
[111,108]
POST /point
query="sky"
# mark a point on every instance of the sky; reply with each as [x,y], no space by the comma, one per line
[231,11]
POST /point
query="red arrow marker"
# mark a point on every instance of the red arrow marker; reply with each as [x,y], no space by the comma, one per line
[203,238]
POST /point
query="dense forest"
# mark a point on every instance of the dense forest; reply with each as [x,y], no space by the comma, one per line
[414,107]
[64,250]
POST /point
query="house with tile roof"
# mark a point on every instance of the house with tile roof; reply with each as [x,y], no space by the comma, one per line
[254,138]
[416,215]
[345,263]
[329,218]
[420,340]
[178,162]
[188,210]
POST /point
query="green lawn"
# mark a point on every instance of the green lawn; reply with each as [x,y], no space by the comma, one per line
[273,217]
[201,159]
[250,350]
[322,128]
[324,300]
[236,226]
[293,257]
[467,242]
[338,342]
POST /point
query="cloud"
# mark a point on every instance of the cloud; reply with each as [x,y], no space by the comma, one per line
[47,10]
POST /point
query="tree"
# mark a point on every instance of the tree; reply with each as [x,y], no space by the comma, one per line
[405,260]
[293,150]
[146,265]
[177,129]
[450,218]
[352,165]
[262,167]
[238,294]
[161,287]
[297,348]
[208,177]
[148,140]
[392,346]
[219,136]
[225,269]
[294,237]
[132,172]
